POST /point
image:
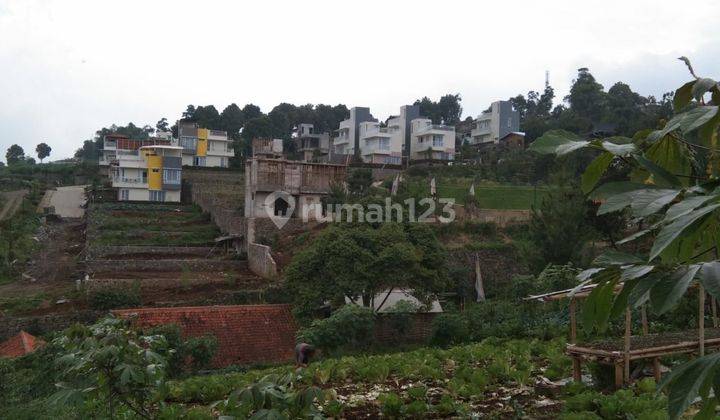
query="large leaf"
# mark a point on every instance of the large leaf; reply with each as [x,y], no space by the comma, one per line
[710,278]
[557,142]
[595,171]
[701,86]
[685,206]
[668,291]
[671,232]
[597,306]
[683,95]
[613,257]
[609,189]
[661,176]
[697,117]
[647,202]
[686,381]
[619,146]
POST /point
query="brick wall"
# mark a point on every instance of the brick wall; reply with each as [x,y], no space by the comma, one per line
[246,334]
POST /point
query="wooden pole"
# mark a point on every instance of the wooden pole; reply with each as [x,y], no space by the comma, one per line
[713,303]
[573,322]
[645,330]
[701,319]
[628,325]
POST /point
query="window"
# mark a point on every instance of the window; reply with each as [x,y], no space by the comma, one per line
[199,160]
[438,140]
[188,142]
[384,144]
[124,195]
[223,162]
[157,195]
[171,176]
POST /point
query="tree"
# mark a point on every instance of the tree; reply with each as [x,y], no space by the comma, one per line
[251,111]
[88,151]
[671,191]
[43,151]
[359,181]
[232,120]
[364,261]
[162,125]
[207,117]
[446,111]
[558,229]
[15,154]
[587,98]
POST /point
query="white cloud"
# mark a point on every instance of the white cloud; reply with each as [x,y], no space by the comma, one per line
[70,67]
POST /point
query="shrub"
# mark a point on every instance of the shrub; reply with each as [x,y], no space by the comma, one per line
[400,316]
[449,329]
[201,351]
[106,299]
[349,325]
[391,405]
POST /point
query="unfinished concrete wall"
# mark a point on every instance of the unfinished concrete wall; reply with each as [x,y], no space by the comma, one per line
[501,218]
[261,262]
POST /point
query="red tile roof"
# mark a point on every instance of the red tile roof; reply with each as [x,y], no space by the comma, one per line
[20,345]
[246,334]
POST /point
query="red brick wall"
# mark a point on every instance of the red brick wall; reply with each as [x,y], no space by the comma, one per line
[246,334]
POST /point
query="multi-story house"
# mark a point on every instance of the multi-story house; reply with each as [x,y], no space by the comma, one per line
[494,124]
[204,147]
[347,138]
[117,145]
[379,144]
[431,141]
[149,173]
[310,143]
[401,126]
[268,148]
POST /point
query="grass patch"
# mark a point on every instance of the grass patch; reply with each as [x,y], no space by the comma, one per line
[488,195]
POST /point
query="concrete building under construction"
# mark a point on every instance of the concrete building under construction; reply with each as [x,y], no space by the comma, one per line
[305,182]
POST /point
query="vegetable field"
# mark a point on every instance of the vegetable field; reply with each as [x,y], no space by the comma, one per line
[491,378]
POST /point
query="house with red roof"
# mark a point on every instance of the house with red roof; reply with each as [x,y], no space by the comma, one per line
[246,334]
[20,345]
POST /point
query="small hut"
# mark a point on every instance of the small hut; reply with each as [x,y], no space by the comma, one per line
[620,352]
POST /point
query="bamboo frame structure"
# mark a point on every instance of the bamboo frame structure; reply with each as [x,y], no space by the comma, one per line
[621,357]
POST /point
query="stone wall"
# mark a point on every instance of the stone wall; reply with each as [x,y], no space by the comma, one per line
[41,325]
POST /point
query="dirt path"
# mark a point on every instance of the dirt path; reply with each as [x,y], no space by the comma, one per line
[13,201]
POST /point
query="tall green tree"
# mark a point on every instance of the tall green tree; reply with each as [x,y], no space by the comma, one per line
[43,151]
[359,261]
[14,154]
[587,97]
[162,125]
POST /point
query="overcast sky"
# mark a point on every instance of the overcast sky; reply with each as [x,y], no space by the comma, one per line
[70,67]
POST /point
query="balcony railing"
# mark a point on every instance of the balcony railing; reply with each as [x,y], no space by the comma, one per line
[127,180]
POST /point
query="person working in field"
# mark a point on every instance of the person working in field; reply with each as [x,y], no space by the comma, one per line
[303,353]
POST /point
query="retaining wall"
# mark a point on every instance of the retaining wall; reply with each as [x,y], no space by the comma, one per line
[110,252]
[261,262]
[419,329]
[40,325]
[119,266]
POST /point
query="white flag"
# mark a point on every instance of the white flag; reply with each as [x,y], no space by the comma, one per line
[472,190]
[433,192]
[395,185]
